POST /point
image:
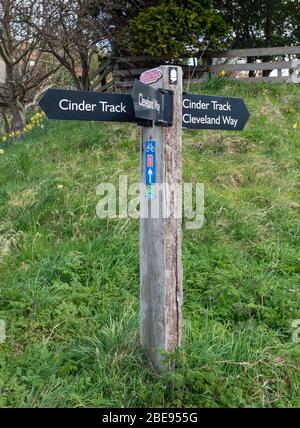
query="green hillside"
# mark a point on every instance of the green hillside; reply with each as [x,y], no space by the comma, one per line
[69,281]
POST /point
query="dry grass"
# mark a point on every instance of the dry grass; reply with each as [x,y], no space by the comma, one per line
[23,199]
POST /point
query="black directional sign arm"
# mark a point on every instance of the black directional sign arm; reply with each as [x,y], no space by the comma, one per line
[154,105]
[146,101]
[210,112]
[84,105]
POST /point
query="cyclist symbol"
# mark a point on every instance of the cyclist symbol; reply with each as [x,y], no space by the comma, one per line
[150,147]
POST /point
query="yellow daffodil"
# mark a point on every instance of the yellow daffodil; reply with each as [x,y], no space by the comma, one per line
[35,121]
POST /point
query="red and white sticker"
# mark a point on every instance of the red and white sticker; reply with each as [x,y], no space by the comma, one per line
[151,76]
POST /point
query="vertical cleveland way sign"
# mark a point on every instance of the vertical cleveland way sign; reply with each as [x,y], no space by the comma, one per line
[160,238]
[158,105]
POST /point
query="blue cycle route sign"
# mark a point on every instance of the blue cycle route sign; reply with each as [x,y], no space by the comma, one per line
[150,162]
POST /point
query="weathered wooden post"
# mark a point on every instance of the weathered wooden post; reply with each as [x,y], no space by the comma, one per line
[160,238]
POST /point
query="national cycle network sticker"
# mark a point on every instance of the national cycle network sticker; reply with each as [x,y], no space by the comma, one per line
[150,170]
[150,162]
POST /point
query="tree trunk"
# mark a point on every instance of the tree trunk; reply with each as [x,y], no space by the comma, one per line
[18,116]
[85,79]
[6,122]
[85,68]
[77,82]
[15,106]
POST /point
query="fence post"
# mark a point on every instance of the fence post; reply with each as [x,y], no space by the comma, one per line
[160,238]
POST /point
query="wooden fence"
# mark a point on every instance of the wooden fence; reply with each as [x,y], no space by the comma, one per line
[117,74]
[248,64]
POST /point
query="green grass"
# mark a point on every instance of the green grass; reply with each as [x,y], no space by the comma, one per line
[69,282]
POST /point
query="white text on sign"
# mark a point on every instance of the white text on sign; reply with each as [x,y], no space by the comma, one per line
[207,120]
[199,105]
[152,105]
[68,105]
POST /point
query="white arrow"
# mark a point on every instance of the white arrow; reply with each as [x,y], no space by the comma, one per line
[150,175]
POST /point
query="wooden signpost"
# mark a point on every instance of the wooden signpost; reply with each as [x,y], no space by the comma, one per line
[160,238]
[159,106]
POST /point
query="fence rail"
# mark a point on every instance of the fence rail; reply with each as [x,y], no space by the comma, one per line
[257,63]
[253,52]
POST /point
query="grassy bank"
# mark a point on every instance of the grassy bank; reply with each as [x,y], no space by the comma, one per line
[69,282]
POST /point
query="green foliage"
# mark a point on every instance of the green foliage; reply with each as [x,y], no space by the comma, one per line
[261,23]
[69,282]
[175,28]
